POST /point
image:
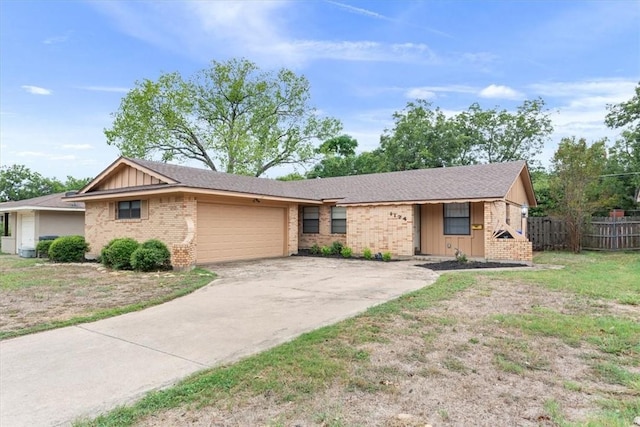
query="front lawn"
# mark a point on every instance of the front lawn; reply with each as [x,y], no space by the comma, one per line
[36,295]
[532,348]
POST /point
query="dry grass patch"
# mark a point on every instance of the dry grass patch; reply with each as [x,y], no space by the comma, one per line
[37,295]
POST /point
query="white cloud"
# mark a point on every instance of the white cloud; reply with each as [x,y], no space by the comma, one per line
[479,57]
[36,90]
[305,50]
[420,93]
[254,29]
[57,39]
[501,92]
[64,157]
[32,154]
[359,10]
[376,15]
[610,90]
[77,146]
[429,92]
[116,89]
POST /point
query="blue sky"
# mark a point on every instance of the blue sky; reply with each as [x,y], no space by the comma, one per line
[65,65]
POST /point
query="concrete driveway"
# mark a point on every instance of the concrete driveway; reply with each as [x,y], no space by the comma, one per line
[53,377]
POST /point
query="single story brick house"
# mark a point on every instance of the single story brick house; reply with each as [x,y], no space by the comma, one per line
[24,221]
[207,217]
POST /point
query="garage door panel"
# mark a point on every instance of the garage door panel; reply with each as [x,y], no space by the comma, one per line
[228,233]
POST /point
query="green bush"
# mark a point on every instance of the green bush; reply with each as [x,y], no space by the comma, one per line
[160,247]
[43,248]
[326,250]
[151,255]
[104,254]
[117,253]
[336,247]
[367,254]
[386,256]
[68,249]
[315,249]
[346,252]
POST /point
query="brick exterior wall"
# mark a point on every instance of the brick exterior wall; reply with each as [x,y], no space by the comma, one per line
[504,249]
[324,237]
[170,219]
[381,229]
[293,227]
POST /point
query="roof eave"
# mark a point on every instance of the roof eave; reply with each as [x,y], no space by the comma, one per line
[111,195]
[40,208]
[423,202]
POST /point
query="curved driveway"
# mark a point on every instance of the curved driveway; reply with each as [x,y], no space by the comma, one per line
[53,377]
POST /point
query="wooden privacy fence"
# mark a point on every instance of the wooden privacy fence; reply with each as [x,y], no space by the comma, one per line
[612,234]
[602,234]
[546,233]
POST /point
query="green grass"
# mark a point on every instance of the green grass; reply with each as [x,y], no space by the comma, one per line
[187,282]
[516,356]
[610,334]
[615,374]
[610,276]
[295,369]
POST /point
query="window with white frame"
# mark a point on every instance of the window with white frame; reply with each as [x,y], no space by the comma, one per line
[457,219]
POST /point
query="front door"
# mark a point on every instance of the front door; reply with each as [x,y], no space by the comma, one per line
[27,230]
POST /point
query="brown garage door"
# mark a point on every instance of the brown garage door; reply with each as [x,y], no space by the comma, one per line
[229,233]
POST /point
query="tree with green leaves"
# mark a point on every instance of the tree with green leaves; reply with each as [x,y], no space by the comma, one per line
[575,183]
[293,176]
[340,159]
[343,145]
[423,137]
[501,136]
[624,156]
[231,116]
[18,182]
[541,185]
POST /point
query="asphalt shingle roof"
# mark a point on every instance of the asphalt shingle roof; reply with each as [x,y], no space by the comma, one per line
[51,201]
[485,181]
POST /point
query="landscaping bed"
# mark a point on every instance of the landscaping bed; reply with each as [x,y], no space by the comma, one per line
[469,265]
[375,257]
[436,266]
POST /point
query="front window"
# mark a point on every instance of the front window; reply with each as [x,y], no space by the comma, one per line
[311,219]
[457,218]
[129,209]
[338,220]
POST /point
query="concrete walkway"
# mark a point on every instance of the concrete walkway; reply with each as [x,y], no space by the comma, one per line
[54,377]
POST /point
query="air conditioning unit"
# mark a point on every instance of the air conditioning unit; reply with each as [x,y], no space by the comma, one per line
[27,252]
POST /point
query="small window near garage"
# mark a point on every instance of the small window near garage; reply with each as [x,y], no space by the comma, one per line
[129,209]
[457,219]
[338,220]
[311,219]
